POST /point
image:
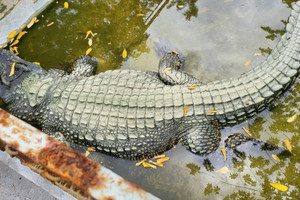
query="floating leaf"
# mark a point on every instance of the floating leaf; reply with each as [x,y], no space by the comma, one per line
[162,160]
[14,49]
[247,131]
[159,156]
[288,145]
[167,69]
[211,112]
[292,119]
[89,32]
[185,110]
[146,165]
[124,53]
[180,6]
[31,22]
[14,43]
[247,63]
[140,15]
[36,20]
[224,153]
[12,69]
[90,42]
[21,35]
[91,149]
[88,51]
[275,157]
[139,163]
[159,164]
[280,187]
[37,63]
[66,5]
[50,24]
[192,87]
[223,170]
[12,34]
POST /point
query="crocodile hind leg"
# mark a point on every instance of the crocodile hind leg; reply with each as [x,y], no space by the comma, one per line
[170,73]
[84,66]
[202,139]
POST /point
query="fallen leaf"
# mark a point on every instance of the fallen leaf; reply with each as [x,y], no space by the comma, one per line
[34,1]
[224,153]
[288,145]
[159,164]
[12,34]
[36,20]
[174,52]
[185,110]
[247,131]
[88,51]
[21,35]
[37,63]
[192,87]
[293,118]
[31,22]
[280,187]
[50,24]
[211,112]
[140,15]
[162,160]
[66,5]
[14,49]
[223,170]
[91,149]
[90,42]
[247,63]
[180,6]
[167,69]
[89,32]
[275,157]
[146,165]
[139,163]
[87,153]
[159,156]
[3,46]
[14,43]
[124,53]
[12,69]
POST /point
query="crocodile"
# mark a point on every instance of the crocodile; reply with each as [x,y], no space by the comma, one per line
[138,114]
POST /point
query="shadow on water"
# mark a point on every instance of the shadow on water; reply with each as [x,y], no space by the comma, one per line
[216,39]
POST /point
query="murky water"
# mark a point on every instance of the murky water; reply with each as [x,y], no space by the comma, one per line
[218,39]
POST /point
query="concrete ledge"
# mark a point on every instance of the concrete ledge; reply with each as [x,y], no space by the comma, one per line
[16,14]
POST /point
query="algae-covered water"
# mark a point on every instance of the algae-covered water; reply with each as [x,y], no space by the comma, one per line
[217,39]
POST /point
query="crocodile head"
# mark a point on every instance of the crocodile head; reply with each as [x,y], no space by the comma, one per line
[13,70]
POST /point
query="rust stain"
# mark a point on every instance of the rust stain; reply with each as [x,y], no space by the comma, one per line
[71,166]
[133,188]
[108,198]
[3,116]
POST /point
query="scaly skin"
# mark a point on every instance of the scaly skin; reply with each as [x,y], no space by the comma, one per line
[136,114]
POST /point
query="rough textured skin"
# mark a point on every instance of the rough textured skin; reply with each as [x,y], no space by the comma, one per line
[136,114]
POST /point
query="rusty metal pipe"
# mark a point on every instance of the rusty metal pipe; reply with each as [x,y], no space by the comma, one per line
[69,169]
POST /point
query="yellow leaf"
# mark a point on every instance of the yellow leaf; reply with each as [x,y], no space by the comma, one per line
[280,187]
[167,69]
[3,46]
[174,52]
[247,63]
[162,160]
[159,164]
[192,87]
[88,51]
[140,15]
[211,111]
[288,145]
[276,157]
[14,43]
[139,163]
[159,156]
[185,110]
[91,149]
[21,34]
[89,32]
[90,42]
[124,53]
[31,22]
[12,69]
[50,24]
[293,118]
[36,20]
[146,165]
[180,6]
[224,153]
[12,34]
[66,5]
[247,131]
[14,49]
[34,1]
[223,170]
